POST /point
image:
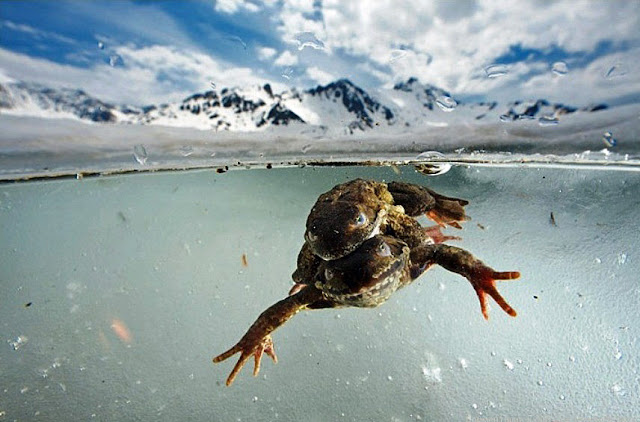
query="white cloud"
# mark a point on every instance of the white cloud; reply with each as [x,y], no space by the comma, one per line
[148,75]
[35,32]
[286,59]
[232,6]
[266,53]
[320,75]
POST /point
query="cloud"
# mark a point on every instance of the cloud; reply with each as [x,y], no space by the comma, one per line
[266,53]
[145,75]
[286,59]
[320,75]
[36,33]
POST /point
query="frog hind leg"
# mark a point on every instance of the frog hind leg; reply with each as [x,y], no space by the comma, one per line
[417,200]
[481,276]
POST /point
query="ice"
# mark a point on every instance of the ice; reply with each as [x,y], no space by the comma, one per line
[182,307]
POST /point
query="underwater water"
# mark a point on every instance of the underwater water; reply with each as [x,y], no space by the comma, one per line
[116,292]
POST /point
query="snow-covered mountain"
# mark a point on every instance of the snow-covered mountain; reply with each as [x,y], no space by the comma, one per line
[340,106]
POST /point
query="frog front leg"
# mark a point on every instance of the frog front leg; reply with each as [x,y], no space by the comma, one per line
[257,340]
[481,276]
[417,200]
[413,233]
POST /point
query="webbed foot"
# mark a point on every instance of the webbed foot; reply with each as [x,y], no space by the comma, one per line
[483,280]
[417,200]
[248,347]
[435,233]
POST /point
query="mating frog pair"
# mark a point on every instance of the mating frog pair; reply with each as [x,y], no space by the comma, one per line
[362,243]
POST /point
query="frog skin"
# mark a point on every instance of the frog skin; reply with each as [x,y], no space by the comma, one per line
[365,278]
[351,212]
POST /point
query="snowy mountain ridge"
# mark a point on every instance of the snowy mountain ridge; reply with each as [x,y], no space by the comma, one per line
[339,106]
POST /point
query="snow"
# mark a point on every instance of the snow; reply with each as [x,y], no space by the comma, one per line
[136,281]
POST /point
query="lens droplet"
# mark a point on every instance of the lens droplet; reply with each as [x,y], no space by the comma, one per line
[446,103]
[609,140]
[308,39]
[100,45]
[496,70]
[548,121]
[560,68]
[615,71]
[115,60]
[140,154]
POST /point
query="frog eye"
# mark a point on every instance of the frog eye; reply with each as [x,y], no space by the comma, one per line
[328,274]
[384,250]
[361,220]
[311,237]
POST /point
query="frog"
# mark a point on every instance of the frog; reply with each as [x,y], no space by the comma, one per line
[365,278]
[351,212]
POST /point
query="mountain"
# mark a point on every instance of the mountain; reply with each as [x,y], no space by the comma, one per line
[339,107]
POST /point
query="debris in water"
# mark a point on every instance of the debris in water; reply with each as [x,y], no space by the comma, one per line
[608,139]
[552,220]
[18,342]
[121,330]
[245,262]
[140,154]
[28,304]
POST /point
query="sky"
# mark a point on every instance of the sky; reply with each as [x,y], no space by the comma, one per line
[144,52]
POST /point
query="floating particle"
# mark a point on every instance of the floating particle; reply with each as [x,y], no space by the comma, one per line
[609,140]
[552,219]
[308,39]
[18,342]
[480,226]
[496,70]
[269,166]
[618,354]
[121,330]
[115,60]
[100,45]
[548,121]
[616,71]
[508,364]
[245,262]
[560,68]
[446,103]
[140,154]
[463,363]
[28,304]
[186,150]
[222,169]
[622,258]
[236,39]
[505,118]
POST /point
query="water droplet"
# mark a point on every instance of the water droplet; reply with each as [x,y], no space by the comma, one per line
[609,140]
[496,70]
[308,39]
[397,55]
[508,364]
[562,397]
[615,71]
[100,45]
[540,382]
[390,378]
[18,342]
[186,150]
[446,103]
[288,72]
[560,68]
[548,121]
[115,60]
[140,154]
[572,358]
[505,118]
[255,399]
[236,39]
[474,405]
[549,364]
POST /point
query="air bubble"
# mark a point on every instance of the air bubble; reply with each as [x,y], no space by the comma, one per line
[609,140]
[18,342]
[560,68]
[308,39]
[140,154]
[463,363]
[100,45]
[508,364]
[618,354]
[446,103]
[548,121]
[496,70]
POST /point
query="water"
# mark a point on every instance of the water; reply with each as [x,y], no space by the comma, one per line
[136,281]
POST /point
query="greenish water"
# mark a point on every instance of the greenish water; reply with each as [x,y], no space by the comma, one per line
[116,292]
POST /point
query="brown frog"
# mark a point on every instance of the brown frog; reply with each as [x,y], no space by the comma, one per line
[365,278]
[351,212]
